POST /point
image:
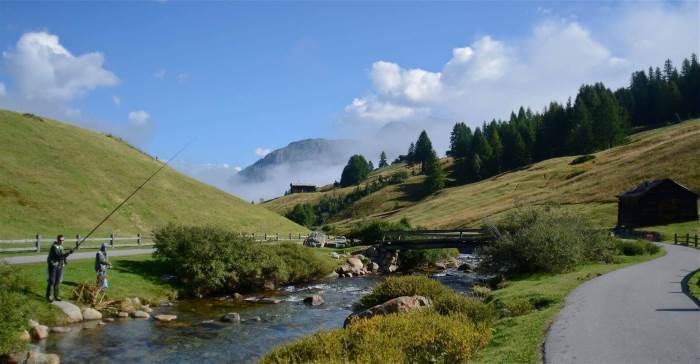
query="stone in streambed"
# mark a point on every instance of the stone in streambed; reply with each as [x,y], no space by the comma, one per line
[231,317]
[140,315]
[314,300]
[123,314]
[71,310]
[60,329]
[91,314]
[39,332]
[165,318]
[271,300]
[35,357]
[396,305]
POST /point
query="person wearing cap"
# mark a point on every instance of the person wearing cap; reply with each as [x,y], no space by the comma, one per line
[101,265]
[56,260]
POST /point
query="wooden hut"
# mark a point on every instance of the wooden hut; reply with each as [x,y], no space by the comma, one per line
[657,202]
[301,188]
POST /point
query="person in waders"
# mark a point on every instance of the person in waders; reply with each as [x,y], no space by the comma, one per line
[101,265]
[56,262]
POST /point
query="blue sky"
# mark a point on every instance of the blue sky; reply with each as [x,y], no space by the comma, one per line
[247,76]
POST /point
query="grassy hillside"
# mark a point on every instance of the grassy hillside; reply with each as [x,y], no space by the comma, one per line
[59,178]
[589,187]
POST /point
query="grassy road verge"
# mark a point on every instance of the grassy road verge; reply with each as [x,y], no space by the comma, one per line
[518,339]
[132,276]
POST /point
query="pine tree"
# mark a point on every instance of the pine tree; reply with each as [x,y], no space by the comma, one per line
[435,179]
[370,166]
[482,148]
[382,160]
[355,171]
[411,155]
[460,140]
[423,150]
[497,148]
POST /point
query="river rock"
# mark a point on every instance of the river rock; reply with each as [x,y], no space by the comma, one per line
[375,267]
[355,264]
[467,267]
[396,305]
[165,303]
[441,265]
[108,319]
[269,285]
[140,315]
[165,318]
[71,310]
[91,314]
[332,275]
[147,309]
[231,317]
[237,297]
[39,332]
[35,357]
[314,300]
[255,318]
[60,329]
[32,323]
[335,255]
[24,335]
[271,300]
[343,269]
[123,314]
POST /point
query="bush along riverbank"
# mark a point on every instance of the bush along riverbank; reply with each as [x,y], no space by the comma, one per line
[537,258]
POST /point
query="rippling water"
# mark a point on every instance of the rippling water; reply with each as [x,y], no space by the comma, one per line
[198,337]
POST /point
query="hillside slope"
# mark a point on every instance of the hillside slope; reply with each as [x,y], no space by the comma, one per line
[590,187]
[59,178]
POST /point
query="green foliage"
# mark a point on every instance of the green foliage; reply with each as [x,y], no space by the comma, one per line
[481,292]
[302,214]
[382,160]
[472,308]
[210,259]
[424,152]
[582,159]
[372,231]
[555,240]
[460,141]
[436,176]
[638,247]
[414,259]
[355,171]
[13,315]
[416,337]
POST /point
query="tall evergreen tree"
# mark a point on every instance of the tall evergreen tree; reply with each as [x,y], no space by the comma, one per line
[497,150]
[370,166]
[411,155]
[424,150]
[460,140]
[382,160]
[435,179]
[355,171]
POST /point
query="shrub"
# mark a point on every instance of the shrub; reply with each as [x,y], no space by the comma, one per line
[398,177]
[474,309]
[373,231]
[302,214]
[210,259]
[416,337]
[555,240]
[13,315]
[481,292]
[639,247]
[582,159]
[393,287]
[410,259]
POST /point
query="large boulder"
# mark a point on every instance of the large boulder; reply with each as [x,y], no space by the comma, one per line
[91,314]
[395,305]
[316,240]
[72,311]
[39,332]
[314,300]
[356,264]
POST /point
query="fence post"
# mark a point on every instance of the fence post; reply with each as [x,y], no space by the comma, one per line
[38,242]
[696,240]
[77,241]
[264,236]
[111,240]
[675,238]
[687,239]
[277,236]
[138,239]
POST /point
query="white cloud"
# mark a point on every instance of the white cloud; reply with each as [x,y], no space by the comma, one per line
[116,100]
[491,77]
[44,70]
[261,152]
[160,74]
[139,117]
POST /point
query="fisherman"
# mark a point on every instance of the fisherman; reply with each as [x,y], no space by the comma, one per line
[101,265]
[56,261]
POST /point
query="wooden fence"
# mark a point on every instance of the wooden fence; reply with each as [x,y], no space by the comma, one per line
[37,243]
[685,240]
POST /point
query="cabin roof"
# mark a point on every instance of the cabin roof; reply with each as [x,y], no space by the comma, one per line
[647,186]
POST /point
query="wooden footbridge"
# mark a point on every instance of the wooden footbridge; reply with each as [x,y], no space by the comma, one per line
[465,239]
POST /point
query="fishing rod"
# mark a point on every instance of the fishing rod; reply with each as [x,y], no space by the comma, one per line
[77,245]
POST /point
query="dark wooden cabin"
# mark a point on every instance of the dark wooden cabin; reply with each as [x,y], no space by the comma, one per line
[301,188]
[657,202]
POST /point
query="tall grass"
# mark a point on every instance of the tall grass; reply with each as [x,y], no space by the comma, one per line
[13,315]
[209,259]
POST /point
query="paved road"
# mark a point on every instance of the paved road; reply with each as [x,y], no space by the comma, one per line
[637,314]
[23,259]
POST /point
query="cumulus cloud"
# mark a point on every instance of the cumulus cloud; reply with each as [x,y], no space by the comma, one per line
[261,152]
[45,70]
[490,77]
[139,117]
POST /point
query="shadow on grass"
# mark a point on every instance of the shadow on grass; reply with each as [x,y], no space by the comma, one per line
[151,270]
